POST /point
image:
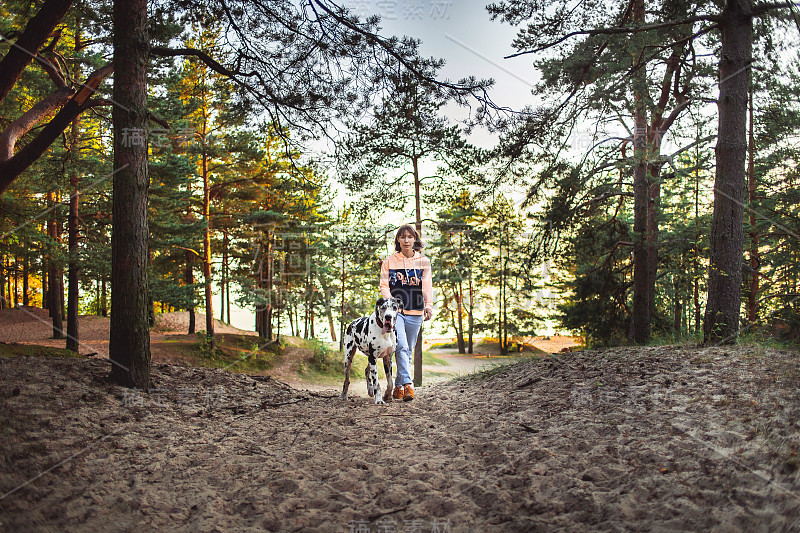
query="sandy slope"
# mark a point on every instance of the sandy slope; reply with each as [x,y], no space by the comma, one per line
[633,439]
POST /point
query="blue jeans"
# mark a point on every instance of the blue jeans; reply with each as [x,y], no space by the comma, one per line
[407,327]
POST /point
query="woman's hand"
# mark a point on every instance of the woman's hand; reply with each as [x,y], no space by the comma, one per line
[428,314]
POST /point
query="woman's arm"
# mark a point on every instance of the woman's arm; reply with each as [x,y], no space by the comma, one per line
[384,281]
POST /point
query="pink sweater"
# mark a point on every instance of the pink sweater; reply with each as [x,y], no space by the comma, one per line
[408,279]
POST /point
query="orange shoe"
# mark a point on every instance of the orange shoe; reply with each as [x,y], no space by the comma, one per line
[398,393]
[408,393]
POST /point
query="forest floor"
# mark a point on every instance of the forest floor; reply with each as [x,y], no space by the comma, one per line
[666,438]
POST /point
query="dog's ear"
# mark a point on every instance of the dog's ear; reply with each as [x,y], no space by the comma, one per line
[378,304]
[399,302]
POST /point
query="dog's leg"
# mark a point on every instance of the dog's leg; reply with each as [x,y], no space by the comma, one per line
[373,385]
[368,377]
[387,368]
[349,352]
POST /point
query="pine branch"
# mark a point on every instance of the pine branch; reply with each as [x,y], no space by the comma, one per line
[14,166]
[26,47]
[619,30]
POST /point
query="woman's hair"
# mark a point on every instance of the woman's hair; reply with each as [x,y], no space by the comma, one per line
[408,228]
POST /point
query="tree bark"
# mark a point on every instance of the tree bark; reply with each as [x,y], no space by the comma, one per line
[45,284]
[418,346]
[188,278]
[3,282]
[460,303]
[207,241]
[25,278]
[53,274]
[72,225]
[640,315]
[727,232]
[27,46]
[72,299]
[223,276]
[16,281]
[470,318]
[129,344]
[104,298]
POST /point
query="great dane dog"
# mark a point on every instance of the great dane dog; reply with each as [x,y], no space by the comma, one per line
[375,337]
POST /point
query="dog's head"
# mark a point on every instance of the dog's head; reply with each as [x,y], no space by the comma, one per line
[386,311]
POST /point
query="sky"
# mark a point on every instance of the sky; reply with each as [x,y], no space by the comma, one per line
[461,33]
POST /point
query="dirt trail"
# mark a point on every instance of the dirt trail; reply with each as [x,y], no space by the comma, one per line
[632,439]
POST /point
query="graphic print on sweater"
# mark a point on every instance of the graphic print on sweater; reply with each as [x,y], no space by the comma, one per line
[406,284]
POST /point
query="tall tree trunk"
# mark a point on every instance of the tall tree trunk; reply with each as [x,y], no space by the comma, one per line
[470,318]
[72,300]
[310,297]
[223,276]
[755,260]
[306,307]
[25,279]
[270,286]
[16,281]
[104,298]
[460,329]
[72,223]
[3,304]
[3,300]
[418,346]
[207,244]
[53,275]
[505,305]
[341,313]
[188,278]
[227,282]
[640,315]
[727,235]
[45,284]
[500,299]
[129,344]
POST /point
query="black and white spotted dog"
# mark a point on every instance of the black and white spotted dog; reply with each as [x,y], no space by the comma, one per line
[375,337]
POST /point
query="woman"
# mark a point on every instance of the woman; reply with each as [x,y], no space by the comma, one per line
[406,274]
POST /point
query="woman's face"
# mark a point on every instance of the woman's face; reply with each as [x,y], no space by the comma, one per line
[406,241]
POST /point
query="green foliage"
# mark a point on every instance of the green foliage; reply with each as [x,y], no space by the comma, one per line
[325,360]
[597,305]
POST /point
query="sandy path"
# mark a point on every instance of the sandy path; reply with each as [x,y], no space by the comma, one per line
[633,439]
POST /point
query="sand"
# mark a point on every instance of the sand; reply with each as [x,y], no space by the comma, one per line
[631,439]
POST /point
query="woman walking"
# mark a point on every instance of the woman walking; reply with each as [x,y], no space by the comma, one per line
[406,274]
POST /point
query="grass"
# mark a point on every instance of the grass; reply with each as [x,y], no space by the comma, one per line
[237,353]
[444,345]
[429,359]
[31,350]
